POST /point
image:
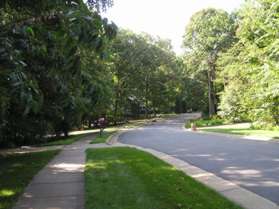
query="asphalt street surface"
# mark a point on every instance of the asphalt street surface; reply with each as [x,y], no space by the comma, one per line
[253,165]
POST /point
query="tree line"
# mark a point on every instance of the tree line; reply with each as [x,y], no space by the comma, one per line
[235,56]
[62,66]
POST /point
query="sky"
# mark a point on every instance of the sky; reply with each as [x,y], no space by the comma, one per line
[164,18]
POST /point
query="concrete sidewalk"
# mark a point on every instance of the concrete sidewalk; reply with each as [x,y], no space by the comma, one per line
[60,185]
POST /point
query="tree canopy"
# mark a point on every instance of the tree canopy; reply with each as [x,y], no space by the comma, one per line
[41,64]
[249,69]
[62,66]
[239,53]
[145,73]
[209,32]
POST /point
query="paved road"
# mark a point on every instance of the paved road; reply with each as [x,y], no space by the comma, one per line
[253,165]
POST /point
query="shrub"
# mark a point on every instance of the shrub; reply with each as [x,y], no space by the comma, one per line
[203,122]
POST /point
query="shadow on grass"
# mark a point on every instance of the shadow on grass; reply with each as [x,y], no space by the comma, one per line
[64,140]
[134,179]
[17,171]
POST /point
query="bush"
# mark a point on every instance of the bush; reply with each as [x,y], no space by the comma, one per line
[264,126]
[203,122]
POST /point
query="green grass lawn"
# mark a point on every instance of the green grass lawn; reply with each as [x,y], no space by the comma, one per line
[126,178]
[103,138]
[274,134]
[16,172]
[64,141]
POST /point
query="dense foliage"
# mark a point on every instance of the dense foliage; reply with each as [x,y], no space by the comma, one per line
[209,32]
[43,87]
[146,75]
[249,70]
[62,65]
[239,53]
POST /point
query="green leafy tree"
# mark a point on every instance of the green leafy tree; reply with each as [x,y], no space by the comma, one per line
[145,75]
[41,64]
[209,32]
[251,66]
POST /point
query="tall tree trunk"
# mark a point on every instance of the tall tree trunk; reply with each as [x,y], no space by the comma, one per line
[115,108]
[146,95]
[212,101]
[89,123]
[116,98]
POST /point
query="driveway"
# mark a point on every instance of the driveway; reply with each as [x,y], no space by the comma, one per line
[253,165]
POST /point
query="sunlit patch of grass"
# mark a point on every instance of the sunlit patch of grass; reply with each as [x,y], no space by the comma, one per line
[128,178]
[16,172]
[274,134]
[6,192]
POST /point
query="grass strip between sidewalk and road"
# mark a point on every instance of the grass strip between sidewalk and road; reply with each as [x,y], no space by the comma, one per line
[128,178]
[16,171]
[102,138]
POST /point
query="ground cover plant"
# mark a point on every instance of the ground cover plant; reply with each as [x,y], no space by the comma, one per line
[203,122]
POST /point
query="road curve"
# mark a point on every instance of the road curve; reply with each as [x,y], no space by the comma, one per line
[253,165]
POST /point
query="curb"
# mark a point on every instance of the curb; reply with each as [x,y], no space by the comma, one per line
[112,139]
[230,190]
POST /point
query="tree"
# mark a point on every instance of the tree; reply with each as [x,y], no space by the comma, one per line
[41,45]
[209,32]
[145,74]
[251,66]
